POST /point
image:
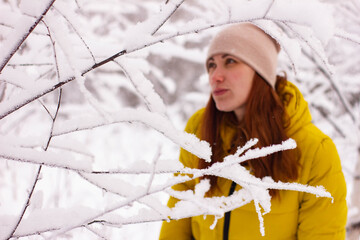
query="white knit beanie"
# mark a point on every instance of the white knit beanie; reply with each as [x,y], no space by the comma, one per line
[251,45]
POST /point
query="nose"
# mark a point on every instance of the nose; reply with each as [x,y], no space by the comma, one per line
[217,75]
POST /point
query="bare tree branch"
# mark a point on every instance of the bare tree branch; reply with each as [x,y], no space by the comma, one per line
[163,21]
[20,42]
[349,37]
[38,171]
[77,33]
[268,9]
[26,204]
[97,233]
[29,64]
[29,99]
[152,174]
[123,195]
[325,116]
[326,73]
[54,51]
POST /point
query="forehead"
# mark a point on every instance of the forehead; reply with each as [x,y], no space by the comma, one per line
[219,55]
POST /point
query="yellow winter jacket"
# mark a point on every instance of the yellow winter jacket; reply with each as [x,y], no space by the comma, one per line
[295,215]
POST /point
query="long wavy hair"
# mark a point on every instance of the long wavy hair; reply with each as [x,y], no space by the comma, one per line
[265,118]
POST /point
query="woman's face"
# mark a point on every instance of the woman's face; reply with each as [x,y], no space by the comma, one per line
[231,81]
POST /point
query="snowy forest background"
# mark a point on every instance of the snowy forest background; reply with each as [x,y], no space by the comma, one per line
[94,96]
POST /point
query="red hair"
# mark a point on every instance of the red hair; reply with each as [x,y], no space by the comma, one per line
[265,118]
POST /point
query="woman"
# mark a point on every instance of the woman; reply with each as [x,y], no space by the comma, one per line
[249,101]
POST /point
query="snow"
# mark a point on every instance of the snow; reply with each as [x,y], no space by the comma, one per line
[38,220]
[153,120]
[21,27]
[113,165]
[144,31]
[33,156]
[34,8]
[318,15]
[143,86]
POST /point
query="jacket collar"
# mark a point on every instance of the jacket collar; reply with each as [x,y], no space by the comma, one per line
[296,108]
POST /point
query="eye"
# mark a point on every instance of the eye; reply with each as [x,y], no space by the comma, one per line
[230,60]
[211,65]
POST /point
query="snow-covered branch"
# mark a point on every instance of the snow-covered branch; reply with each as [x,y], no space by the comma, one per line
[254,189]
[22,31]
[274,14]
[151,119]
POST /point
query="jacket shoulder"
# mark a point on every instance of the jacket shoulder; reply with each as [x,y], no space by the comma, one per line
[321,166]
[194,122]
[309,136]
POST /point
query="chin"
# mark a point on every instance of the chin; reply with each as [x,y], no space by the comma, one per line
[224,108]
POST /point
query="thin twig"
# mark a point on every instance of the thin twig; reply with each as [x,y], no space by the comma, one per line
[6,25]
[148,104]
[2,91]
[11,83]
[21,41]
[46,109]
[152,174]
[57,68]
[89,180]
[163,21]
[268,9]
[197,173]
[77,33]
[77,4]
[118,193]
[82,170]
[54,118]
[292,63]
[99,64]
[95,232]
[326,73]
[44,73]
[119,54]
[29,64]
[348,37]
[26,204]
[332,122]
[38,171]
[39,100]
[54,50]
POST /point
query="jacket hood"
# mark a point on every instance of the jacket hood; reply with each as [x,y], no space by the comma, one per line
[296,108]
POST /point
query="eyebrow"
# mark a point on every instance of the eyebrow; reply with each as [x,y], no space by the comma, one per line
[222,56]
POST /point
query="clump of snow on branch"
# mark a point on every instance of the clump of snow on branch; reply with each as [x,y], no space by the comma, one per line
[142,85]
[253,189]
[156,121]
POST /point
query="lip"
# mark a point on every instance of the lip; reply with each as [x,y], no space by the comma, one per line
[220,91]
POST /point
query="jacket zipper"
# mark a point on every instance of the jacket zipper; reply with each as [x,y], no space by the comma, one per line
[227,215]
